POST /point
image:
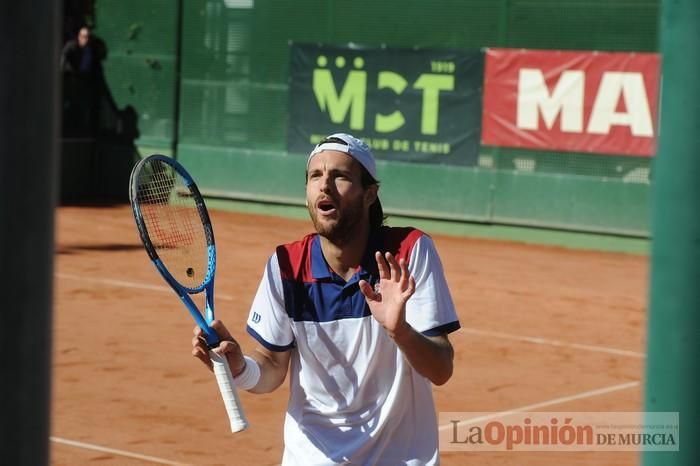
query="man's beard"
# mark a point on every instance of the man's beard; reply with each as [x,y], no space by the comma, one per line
[345,225]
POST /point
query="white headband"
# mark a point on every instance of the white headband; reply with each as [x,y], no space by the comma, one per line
[350,145]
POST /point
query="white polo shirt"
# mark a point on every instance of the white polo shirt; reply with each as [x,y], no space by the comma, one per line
[354,397]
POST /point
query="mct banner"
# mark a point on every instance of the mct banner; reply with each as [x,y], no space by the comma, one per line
[595,102]
[411,105]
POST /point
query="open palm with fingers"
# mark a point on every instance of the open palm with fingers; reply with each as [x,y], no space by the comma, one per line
[388,301]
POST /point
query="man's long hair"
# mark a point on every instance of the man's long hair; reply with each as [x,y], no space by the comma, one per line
[376,212]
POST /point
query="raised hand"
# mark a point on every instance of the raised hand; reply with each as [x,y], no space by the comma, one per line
[388,301]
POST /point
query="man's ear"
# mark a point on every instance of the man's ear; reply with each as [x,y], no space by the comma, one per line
[371,194]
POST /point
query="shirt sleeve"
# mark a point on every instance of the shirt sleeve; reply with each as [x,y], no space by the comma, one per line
[430,310]
[268,321]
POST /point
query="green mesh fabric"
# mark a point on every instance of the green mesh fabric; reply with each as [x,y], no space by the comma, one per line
[234,61]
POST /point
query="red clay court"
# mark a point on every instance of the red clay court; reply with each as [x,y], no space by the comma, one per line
[543,329]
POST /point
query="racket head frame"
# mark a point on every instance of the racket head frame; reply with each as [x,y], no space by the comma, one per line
[184,292]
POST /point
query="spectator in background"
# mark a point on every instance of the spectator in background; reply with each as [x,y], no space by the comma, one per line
[78,54]
[82,84]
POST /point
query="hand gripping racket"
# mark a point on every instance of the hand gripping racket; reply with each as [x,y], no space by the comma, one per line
[174,226]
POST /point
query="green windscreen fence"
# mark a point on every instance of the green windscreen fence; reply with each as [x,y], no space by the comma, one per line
[141,38]
[212,79]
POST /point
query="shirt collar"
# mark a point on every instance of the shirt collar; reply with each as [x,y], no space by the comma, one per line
[319,266]
[368,266]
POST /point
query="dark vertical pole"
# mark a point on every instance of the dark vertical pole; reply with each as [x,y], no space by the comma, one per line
[29,52]
[178,76]
[673,365]
[503,25]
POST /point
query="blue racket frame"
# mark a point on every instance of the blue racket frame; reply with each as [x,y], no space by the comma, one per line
[203,321]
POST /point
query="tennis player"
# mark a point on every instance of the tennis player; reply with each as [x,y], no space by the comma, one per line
[358,314]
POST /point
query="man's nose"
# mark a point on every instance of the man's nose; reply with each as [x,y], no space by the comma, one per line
[325,183]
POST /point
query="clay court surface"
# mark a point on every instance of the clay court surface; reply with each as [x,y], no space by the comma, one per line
[127,392]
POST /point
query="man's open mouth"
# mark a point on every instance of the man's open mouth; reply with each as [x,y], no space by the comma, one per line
[326,207]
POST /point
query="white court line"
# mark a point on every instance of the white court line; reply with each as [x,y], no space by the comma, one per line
[126,284]
[562,344]
[543,404]
[89,446]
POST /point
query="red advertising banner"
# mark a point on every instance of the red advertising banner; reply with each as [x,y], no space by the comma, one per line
[573,101]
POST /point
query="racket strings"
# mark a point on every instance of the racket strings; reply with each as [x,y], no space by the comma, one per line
[173,223]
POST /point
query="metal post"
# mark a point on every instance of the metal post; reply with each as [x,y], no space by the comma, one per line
[178,77]
[29,53]
[673,365]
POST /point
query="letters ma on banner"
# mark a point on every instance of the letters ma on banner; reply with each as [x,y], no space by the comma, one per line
[571,101]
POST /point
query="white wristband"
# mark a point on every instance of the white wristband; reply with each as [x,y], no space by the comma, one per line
[250,376]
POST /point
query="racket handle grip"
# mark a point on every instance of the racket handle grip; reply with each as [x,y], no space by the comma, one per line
[227,387]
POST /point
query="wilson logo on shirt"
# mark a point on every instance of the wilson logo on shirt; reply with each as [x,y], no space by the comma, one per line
[256,318]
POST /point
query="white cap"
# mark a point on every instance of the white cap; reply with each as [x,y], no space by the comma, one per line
[355,148]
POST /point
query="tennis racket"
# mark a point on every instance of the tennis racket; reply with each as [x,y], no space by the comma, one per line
[174,226]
